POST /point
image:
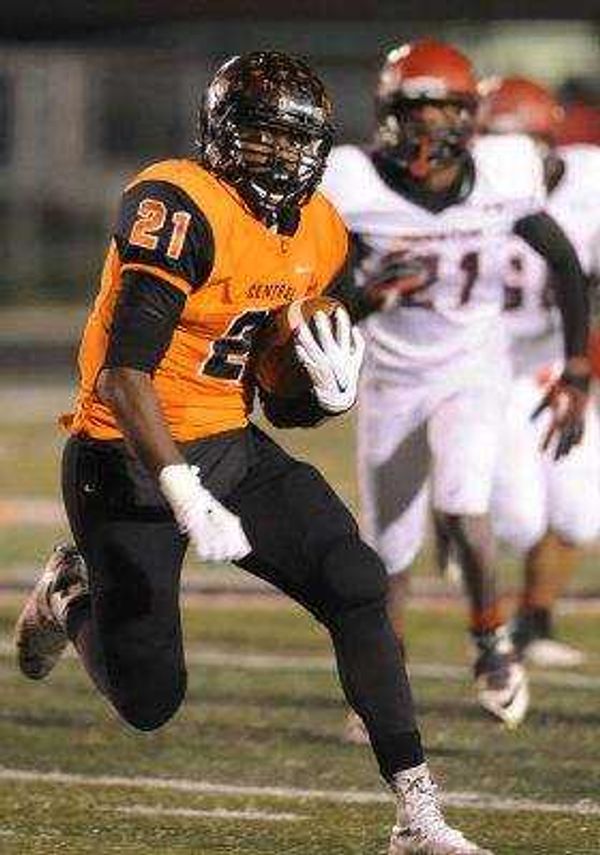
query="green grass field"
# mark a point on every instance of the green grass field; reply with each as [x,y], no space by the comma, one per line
[254,762]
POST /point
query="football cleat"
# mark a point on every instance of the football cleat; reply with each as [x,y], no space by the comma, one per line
[500,679]
[355,732]
[426,832]
[532,635]
[550,653]
[40,633]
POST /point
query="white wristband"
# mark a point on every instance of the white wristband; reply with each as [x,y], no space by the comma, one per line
[181,486]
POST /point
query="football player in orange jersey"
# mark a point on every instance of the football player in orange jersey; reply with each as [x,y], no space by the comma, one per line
[162,451]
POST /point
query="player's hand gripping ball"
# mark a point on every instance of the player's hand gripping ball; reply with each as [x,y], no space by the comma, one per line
[276,365]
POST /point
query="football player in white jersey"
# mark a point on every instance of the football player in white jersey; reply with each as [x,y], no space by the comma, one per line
[436,372]
[545,510]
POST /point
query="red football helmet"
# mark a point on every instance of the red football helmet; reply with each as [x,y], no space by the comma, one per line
[422,74]
[519,105]
[581,124]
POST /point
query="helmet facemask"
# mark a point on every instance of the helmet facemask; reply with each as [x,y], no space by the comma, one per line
[272,147]
[275,167]
[424,135]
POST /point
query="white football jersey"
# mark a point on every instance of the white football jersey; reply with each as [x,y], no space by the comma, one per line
[532,319]
[461,246]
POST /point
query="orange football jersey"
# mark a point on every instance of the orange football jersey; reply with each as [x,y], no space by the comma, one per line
[202,381]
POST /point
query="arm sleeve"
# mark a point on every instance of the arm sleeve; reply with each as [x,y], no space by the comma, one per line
[547,238]
[594,277]
[144,320]
[162,230]
[303,411]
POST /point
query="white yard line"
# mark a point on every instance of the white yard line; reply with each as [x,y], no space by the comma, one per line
[323,664]
[473,800]
[486,802]
[216,813]
[436,671]
[432,671]
[259,661]
[185,785]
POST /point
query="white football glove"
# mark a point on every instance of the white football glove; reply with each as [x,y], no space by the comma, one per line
[332,356]
[216,533]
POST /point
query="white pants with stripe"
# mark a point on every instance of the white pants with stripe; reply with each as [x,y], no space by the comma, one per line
[534,493]
[428,435]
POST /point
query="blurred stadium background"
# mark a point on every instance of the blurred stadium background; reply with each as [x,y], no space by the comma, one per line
[89,92]
[87,97]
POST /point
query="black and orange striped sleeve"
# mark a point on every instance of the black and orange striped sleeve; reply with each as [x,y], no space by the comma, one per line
[161,231]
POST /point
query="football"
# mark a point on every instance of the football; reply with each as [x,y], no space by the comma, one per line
[277,369]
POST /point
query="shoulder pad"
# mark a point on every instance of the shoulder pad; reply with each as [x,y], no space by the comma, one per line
[512,164]
[583,165]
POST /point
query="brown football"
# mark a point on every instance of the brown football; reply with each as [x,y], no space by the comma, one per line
[276,366]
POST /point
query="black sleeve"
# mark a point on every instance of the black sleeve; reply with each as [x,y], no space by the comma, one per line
[547,238]
[159,225]
[344,288]
[144,320]
[593,281]
[303,411]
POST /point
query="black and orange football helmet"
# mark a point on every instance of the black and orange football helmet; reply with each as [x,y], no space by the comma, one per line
[414,76]
[253,103]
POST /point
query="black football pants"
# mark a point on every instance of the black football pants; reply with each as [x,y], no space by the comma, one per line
[305,542]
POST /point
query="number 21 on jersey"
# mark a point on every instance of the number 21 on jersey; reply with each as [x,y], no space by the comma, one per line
[469,270]
[152,217]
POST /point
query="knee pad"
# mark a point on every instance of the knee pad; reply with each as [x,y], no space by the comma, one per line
[353,573]
[149,703]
